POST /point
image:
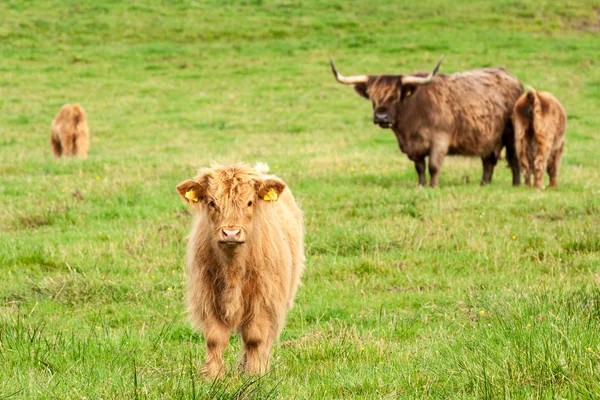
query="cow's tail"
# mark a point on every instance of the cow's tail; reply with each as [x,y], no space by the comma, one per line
[536,109]
[528,87]
[538,124]
[77,115]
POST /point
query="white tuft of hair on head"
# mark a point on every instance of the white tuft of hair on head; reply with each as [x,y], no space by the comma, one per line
[261,167]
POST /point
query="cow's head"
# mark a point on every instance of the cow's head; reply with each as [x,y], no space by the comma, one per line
[386,92]
[228,200]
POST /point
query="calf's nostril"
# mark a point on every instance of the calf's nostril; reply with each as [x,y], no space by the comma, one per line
[231,233]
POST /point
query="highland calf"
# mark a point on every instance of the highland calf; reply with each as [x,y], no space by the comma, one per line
[245,257]
[466,113]
[69,135]
[540,122]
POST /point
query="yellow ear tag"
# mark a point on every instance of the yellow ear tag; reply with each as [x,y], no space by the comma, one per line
[271,195]
[408,93]
[191,195]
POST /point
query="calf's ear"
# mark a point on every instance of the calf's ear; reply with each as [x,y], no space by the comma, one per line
[194,190]
[270,189]
[190,191]
[361,89]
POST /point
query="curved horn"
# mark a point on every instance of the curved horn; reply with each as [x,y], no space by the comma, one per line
[348,80]
[418,81]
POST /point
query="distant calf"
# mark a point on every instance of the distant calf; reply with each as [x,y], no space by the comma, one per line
[540,122]
[70,135]
[245,257]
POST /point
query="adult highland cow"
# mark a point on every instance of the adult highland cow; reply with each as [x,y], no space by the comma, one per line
[540,123]
[466,113]
[245,258]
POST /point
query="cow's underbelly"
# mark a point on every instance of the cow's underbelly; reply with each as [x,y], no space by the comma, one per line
[475,144]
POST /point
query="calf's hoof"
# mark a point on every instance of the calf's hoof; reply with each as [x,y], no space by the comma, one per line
[212,371]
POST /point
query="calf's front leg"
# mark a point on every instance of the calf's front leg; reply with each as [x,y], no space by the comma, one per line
[258,338]
[217,337]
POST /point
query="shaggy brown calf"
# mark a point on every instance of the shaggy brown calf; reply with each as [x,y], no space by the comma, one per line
[540,122]
[466,113]
[245,257]
[69,134]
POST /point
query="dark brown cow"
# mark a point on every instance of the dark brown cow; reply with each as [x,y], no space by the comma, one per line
[466,113]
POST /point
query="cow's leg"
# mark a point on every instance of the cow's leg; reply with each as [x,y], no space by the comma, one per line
[56,147]
[527,174]
[527,162]
[82,142]
[509,140]
[258,338]
[554,164]
[524,148]
[217,337]
[489,163]
[67,143]
[420,167]
[436,158]
[525,167]
[539,166]
[513,162]
[543,143]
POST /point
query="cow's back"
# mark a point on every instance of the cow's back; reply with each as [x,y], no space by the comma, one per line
[480,102]
[468,110]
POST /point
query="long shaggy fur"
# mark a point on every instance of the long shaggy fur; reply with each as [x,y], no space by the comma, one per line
[540,123]
[248,287]
[465,113]
[70,135]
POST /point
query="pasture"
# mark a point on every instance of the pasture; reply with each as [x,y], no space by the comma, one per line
[458,292]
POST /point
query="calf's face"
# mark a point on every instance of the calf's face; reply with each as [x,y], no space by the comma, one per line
[229,202]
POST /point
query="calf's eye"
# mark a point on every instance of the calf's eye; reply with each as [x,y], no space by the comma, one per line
[211,204]
[250,203]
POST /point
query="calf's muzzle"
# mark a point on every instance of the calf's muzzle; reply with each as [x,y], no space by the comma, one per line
[231,235]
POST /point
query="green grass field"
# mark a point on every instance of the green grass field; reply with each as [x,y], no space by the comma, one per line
[458,292]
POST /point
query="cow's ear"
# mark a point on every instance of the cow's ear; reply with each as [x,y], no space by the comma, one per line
[270,189]
[407,91]
[190,191]
[193,191]
[361,89]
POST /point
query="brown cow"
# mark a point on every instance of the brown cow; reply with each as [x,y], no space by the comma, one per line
[69,135]
[463,113]
[245,257]
[540,122]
